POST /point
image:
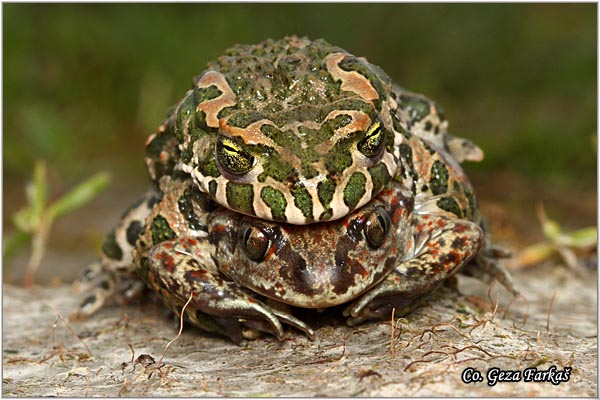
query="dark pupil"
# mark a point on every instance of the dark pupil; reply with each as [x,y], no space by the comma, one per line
[371,145]
[377,227]
[256,243]
[234,160]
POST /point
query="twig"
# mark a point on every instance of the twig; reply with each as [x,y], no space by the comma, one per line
[422,360]
[472,346]
[342,358]
[132,352]
[70,328]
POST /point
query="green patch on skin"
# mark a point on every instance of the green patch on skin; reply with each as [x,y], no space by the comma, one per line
[339,121]
[276,168]
[354,190]
[206,93]
[240,197]
[440,112]
[407,167]
[224,113]
[328,129]
[379,176]
[455,187]
[339,161]
[450,205]
[418,108]
[212,188]
[161,142]
[389,141]
[185,111]
[299,112]
[161,231]
[187,154]
[186,208]
[438,180]
[242,119]
[313,137]
[326,215]
[303,201]
[143,271]
[325,191]
[111,248]
[308,171]
[353,104]
[281,83]
[276,202]
[188,151]
[237,85]
[280,169]
[406,154]
[273,107]
[285,139]
[207,164]
[339,157]
[472,200]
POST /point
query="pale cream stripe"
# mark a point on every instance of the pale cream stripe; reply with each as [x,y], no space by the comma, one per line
[212,107]
[352,81]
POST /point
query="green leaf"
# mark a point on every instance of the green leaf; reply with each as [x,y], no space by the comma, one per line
[551,230]
[79,195]
[38,191]
[24,220]
[582,238]
[13,243]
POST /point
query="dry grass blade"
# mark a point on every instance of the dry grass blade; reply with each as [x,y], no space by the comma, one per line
[550,311]
[392,349]
[180,328]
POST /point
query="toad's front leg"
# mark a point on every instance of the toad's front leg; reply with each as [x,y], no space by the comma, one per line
[440,246]
[182,268]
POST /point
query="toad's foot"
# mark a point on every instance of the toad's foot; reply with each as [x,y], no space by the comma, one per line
[441,246]
[182,269]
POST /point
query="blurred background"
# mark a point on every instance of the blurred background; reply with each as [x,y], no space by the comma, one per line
[85,84]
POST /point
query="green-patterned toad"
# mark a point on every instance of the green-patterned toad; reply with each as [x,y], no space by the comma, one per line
[294,173]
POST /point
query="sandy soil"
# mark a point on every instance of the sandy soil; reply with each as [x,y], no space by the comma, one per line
[121,350]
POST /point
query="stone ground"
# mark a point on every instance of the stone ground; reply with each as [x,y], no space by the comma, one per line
[121,350]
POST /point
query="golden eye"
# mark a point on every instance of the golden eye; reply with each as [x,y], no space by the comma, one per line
[232,158]
[374,140]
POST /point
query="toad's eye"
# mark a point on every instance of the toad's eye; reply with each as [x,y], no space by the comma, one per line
[377,227]
[232,158]
[255,242]
[374,141]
